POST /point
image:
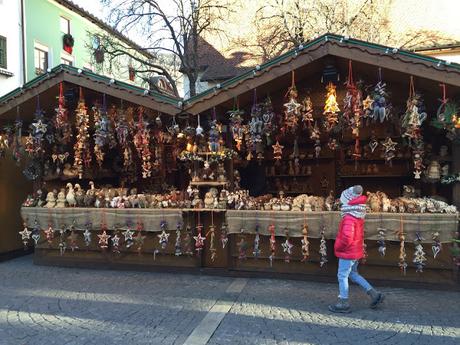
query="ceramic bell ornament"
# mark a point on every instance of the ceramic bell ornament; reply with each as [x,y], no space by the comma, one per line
[434,170]
[199,129]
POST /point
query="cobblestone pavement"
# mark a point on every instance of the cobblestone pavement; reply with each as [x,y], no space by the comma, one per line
[49,305]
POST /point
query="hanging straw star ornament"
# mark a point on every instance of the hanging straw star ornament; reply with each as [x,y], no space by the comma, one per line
[128,235]
[103,240]
[49,234]
[82,154]
[73,240]
[115,243]
[277,151]
[199,239]
[287,247]
[25,235]
[163,239]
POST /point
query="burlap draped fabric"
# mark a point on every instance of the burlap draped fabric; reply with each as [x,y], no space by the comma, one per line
[60,218]
[425,223]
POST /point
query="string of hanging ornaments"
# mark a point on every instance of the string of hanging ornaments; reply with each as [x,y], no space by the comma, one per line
[411,123]
[82,153]
[331,108]
[292,113]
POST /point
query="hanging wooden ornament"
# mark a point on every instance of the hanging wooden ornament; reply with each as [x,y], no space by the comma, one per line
[139,238]
[307,112]
[62,241]
[292,108]
[103,238]
[412,121]
[211,234]
[305,244]
[352,109]
[35,142]
[122,130]
[163,238]
[381,241]
[236,125]
[63,129]
[128,237]
[436,247]
[188,241]
[115,240]
[242,246]
[82,154]
[224,235]
[87,234]
[212,245]
[256,126]
[277,151]
[331,108]
[322,246]
[271,230]
[402,250]
[199,239]
[419,254]
[49,235]
[177,244]
[389,150]
[36,232]
[380,108]
[315,132]
[72,239]
[102,131]
[287,247]
[256,249]
[268,118]
[25,236]
[447,116]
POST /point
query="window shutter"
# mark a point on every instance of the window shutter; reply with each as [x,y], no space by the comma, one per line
[2,52]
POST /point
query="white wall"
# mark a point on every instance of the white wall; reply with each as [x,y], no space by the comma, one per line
[200,86]
[10,27]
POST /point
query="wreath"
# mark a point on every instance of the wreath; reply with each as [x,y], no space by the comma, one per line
[68,40]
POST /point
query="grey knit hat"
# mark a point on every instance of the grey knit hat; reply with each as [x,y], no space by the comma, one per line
[358,189]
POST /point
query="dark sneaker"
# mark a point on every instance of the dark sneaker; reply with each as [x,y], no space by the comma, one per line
[376,298]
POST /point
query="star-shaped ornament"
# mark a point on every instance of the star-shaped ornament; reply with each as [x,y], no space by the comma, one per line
[87,237]
[73,240]
[417,174]
[103,240]
[277,151]
[389,144]
[49,234]
[25,235]
[292,106]
[163,239]
[199,242]
[128,234]
[287,246]
[367,103]
[40,127]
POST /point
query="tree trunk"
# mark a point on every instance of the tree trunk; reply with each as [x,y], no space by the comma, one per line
[192,78]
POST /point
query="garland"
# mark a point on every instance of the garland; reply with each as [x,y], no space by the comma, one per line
[82,155]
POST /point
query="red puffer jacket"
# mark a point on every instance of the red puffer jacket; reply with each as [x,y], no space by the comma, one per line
[350,238]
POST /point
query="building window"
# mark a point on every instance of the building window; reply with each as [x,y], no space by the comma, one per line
[66,61]
[2,52]
[41,61]
[65,25]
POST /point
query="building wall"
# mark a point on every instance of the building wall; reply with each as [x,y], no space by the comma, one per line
[200,85]
[10,27]
[43,28]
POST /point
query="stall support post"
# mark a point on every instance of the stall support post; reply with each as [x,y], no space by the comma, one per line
[456,169]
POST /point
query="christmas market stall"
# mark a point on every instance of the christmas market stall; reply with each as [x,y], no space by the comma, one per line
[330,114]
[245,178]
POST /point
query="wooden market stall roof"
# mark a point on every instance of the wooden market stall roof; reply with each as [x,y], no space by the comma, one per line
[327,45]
[64,73]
